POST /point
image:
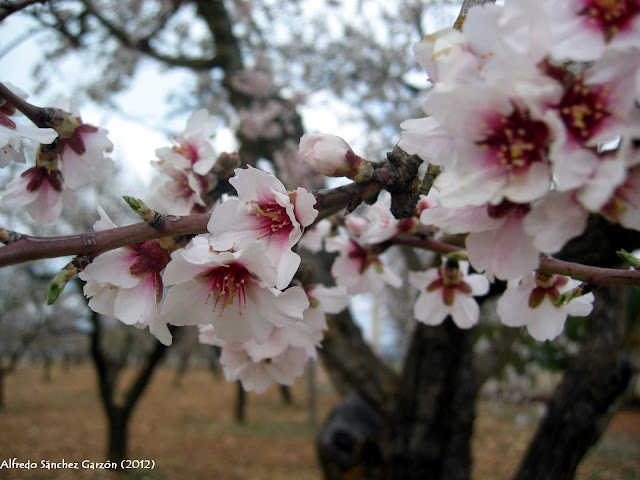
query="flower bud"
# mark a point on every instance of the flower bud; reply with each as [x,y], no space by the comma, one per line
[332,156]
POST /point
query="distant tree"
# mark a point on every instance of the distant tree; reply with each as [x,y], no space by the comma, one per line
[119,404]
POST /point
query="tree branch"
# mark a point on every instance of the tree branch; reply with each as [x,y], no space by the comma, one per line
[9,8]
[39,116]
[593,275]
[24,248]
[143,45]
[466,5]
[145,373]
[27,247]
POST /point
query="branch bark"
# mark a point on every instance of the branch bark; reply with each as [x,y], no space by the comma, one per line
[353,364]
[587,396]
[430,430]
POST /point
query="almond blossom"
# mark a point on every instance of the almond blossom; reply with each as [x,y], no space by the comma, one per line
[193,149]
[519,132]
[358,267]
[313,238]
[181,194]
[283,355]
[82,154]
[497,243]
[280,358]
[533,301]
[125,283]
[374,223]
[187,165]
[505,252]
[264,211]
[333,157]
[39,190]
[583,30]
[501,146]
[232,290]
[323,300]
[258,375]
[448,290]
[11,136]
[12,133]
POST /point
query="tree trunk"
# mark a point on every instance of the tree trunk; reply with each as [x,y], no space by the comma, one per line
[240,411]
[47,363]
[107,372]
[3,375]
[285,393]
[181,368]
[312,393]
[429,433]
[118,434]
[587,396]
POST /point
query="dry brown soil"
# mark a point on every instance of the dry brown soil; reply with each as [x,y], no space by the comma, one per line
[190,434]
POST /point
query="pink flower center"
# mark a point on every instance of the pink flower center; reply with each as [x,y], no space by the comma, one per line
[37,175]
[76,141]
[583,109]
[150,259]
[624,197]
[506,208]
[610,16]
[516,141]
[546,285]
[188,150]
[365,257]
[272,219]
[228,285]
[450,280]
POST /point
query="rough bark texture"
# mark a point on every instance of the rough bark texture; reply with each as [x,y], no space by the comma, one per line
[352,364]
[587,396]
[430,430]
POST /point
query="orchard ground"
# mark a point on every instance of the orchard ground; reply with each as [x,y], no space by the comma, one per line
[190,433]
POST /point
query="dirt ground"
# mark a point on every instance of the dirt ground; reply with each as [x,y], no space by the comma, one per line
[189,432]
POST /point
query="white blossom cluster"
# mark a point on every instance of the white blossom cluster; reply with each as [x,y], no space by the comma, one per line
[533,118]
[68,157]
[234,282]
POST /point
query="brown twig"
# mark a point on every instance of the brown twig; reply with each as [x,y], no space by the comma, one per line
[29,247]
[592,275]
[466,5]
[37,115]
